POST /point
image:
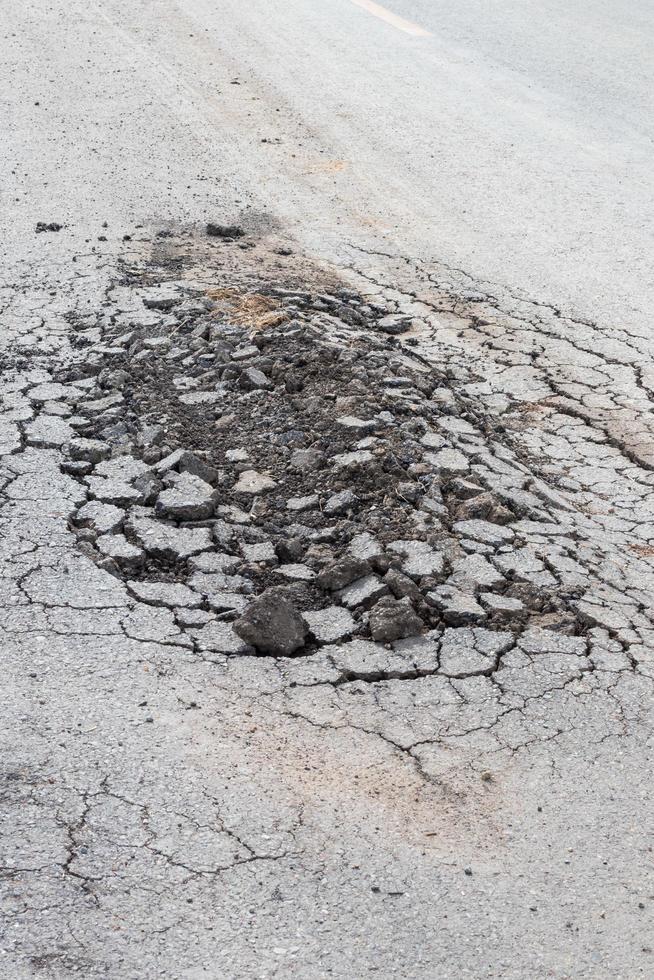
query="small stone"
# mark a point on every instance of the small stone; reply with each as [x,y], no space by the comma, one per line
[200,397]
[524,566]
[261,553]
[101,518]
[167,541]
[331,624]
[352,461]
[213,561]
[342,572]
[394,323]
[57,408]
[420,559]
[457,608]
[210,583]
[252,378]
[365,546]
[474,574]
[189,499]
[246,350]
[251,482]
[272,624]
[362,592]
[393,619]
[402,586]
[299,504]
[117,547]
[448,463]
[306,460]
[91,450]
[297,573]
[53,391]
[356,425]
[340,503]
[160,297]
[469,652]
[291,438]
[237,455]
[125,468]
[433,441]
[112,491]
[231,513]
[99,405]
[501,606]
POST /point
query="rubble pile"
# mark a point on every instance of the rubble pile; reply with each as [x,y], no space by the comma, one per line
[281,470]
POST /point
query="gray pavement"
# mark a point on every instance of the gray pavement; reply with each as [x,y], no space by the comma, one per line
[481,807]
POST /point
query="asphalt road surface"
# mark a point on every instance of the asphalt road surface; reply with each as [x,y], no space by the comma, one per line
[484,169]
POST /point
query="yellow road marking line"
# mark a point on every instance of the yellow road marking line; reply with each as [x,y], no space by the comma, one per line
[396,21]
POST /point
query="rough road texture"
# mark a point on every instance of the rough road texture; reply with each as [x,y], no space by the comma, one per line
[322,612]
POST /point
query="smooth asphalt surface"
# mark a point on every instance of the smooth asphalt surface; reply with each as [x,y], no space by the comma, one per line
[510,140]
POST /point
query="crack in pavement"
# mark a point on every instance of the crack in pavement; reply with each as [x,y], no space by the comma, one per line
[474,628]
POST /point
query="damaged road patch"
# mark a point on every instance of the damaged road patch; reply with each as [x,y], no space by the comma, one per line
[296,624]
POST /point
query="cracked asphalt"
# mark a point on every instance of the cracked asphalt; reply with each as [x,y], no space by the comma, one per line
[424,452]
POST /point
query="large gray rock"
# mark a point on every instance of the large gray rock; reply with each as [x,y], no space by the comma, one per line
[116,492]
[393,619]
[363,592]
[306,460]
[253,378]
[184,461]
[340,503]
[91,450]
[340,573]
[457,608]
[166,541]
[254,483]
[117,546]
[331,624]
[272,624]
[189,499]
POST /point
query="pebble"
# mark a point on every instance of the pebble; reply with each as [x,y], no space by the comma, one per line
[394,619]
[189,499]
[251,482]
[330,624]
[362,592]
[341,503]
[272,624]
[117,546]
[296,572]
